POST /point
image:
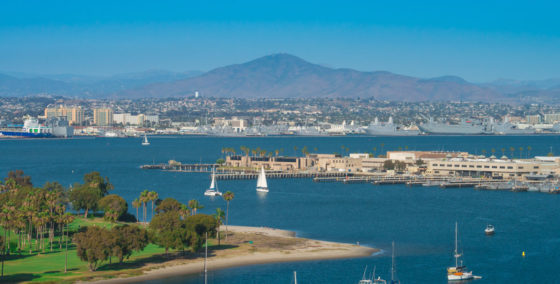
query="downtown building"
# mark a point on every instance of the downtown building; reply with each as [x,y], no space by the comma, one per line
[74,115]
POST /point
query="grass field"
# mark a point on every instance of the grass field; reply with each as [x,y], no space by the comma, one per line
[49,266]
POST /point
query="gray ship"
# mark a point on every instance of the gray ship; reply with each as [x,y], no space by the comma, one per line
[388,129]
[465,127]
[508,128]
[60,127]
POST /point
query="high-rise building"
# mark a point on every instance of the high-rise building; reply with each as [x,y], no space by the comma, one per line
[74,115]
[102,116]
[533,119]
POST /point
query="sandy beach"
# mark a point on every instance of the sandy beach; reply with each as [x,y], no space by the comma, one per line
[256,245]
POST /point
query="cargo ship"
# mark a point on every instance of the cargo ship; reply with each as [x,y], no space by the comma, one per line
[55,127]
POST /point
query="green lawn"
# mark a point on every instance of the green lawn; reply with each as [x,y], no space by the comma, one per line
[49,266]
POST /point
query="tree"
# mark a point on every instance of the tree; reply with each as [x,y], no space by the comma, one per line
[84,198]
[388,165]
[529,148]
[199,225]
[94,245]
[168,205]
[194,205]
[128,239]
[169,231]
[136,204]
[512,150]
[144,199]
[19,177]
[420,162]
[219,216]
[153,197]
[114,206]
[220,161]
[95,180]
[520,152]
[66,220]
[228,196]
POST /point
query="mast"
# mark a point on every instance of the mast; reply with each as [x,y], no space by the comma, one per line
[205,257]
[456,249]
[295,277]
[393,264]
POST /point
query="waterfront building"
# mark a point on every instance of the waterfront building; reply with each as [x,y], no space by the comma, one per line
[551,118]
[74,115]
[503,168]
[422,155]
[270,163]
[135,120]
[102,116]
[533,119]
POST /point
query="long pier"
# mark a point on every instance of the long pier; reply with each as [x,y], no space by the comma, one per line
[276,175]
[190,168]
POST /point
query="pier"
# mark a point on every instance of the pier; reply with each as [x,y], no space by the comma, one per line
[190,168]
[278,175]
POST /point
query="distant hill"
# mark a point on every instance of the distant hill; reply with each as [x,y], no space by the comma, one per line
[282,76]
[19,84]
[287,76]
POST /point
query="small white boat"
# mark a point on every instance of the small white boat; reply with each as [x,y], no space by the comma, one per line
[262,185]
[213,190]
[458,272]
[145,142]
[489,230]
[373,280]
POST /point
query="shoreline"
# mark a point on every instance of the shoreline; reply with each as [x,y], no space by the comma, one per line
[302,250]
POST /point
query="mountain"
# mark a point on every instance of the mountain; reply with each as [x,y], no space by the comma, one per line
[282,76]
[20,84]
[288,76]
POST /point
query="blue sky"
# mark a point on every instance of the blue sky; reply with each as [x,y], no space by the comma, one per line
[477,40]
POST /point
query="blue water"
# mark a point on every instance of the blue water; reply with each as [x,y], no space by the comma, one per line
[419,219]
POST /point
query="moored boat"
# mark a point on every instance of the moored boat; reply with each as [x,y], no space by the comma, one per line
[213,190]
[458,272]
[489,230]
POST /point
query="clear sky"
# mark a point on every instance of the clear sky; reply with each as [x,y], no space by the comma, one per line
[477,40]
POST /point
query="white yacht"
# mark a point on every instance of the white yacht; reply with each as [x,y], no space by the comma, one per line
[489,230]
[262,185]
[458,272]
[213,190]
[145,142]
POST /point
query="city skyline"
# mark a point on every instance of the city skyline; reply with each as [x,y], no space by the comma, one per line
[478,41]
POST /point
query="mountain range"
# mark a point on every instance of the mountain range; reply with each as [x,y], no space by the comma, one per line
[282,76]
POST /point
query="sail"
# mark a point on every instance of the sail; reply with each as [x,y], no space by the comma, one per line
[261,182]
[213,183]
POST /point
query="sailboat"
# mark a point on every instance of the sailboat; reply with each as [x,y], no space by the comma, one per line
[262,185]
[458,273]
[145,141]
[213,190]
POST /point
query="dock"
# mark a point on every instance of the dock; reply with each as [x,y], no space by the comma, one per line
[277,175]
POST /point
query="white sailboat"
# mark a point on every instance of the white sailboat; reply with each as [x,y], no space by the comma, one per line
[458,273]
[213,190]
[262,185]
[145,142]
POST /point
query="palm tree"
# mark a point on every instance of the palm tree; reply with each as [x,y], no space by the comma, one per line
[219,216]
[512,150]
[136,204]
[184,211]
[521,152]
[529,148]
[295,150]
[503,151]
[67,219]
[194,205]
[144,199]
[153,197]
[484,152]
[276,152]
[228,196]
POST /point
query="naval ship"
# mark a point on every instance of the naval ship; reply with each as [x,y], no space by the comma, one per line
[388,129]
[465,127]
[508,128]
